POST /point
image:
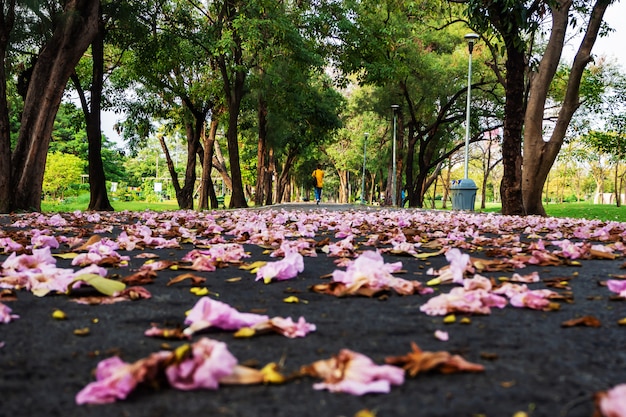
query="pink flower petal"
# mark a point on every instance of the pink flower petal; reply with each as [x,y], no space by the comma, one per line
[210,361]
[356,374]
[613,403]
[212,313]
[441,335]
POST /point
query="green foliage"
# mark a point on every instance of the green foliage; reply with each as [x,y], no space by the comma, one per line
[62,172]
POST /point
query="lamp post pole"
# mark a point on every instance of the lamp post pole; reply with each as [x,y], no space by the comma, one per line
[471,39]
[394,176]
[363,179]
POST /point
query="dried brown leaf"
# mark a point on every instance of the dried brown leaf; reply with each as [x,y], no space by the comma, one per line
[588,321]
[195,279]
[141,277]
[418,361]
[85,246]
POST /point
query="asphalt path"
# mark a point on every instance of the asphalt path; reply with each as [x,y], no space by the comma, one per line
[532,363]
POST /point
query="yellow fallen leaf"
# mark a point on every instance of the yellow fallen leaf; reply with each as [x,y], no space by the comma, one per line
[199,291]
[103,285]
[294,299]
[182,352]
[520,414]
[59,315]
[365,413]
[82,332]
[434,281]
[465,320]
[271,374]
[425,255]
[450,318]
[253,267]
[245,332]
[235,279]
[69,255]
[622,322]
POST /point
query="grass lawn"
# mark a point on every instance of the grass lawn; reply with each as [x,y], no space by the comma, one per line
[574,210]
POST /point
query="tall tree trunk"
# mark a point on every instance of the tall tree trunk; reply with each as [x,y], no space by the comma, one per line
[193,133]
[446,184]
[510,26]
[98,197]
[262,160]
[56,62]
[6,26]
[269,177]
[539,156]
[511,187]
[618,200]
[234,91]
[220,165]
[344,176]
[170,167]
[207,191]
[283,178]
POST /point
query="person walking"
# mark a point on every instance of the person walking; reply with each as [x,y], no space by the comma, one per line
[318,174]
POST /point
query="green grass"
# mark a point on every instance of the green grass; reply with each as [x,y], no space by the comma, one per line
[79,203]
[574,210]
[588,211]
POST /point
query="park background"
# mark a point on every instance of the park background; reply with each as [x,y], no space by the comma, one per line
[330,101]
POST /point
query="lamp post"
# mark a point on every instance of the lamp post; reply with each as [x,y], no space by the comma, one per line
[471,39]
[464,191]
[363,179]
[394,108]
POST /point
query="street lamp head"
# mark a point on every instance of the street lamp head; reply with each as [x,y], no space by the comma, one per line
[471,39]
[366,134]
[395,107]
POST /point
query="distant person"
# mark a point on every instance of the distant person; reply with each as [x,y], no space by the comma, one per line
[318,174]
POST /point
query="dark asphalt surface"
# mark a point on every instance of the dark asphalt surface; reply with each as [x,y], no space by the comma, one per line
[532,363]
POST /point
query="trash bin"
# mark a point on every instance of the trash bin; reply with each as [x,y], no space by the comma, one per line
[463,194]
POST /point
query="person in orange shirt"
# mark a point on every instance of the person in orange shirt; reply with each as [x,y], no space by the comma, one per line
[318,174]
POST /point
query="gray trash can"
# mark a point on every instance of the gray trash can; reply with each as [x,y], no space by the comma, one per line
[463,194]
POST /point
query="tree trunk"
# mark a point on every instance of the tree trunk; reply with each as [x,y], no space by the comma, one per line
[6,26]
[343,185]
[220,165]
[539,156]
[269,177]
[262,160]
[170,167]
[234,91]
[283,178]
[618,200]
[98,197]
[207,191]
[511,187]
[193,133]
[55,65]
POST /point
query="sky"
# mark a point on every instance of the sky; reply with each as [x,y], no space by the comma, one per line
[612,47]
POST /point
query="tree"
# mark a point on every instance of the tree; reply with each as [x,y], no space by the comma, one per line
[7,20]
[613,144]
[288,72]
[519,25]
[75,28]
[99,199]
[539,155]
[62,171]
[406,49]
